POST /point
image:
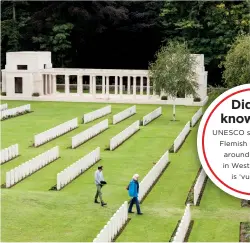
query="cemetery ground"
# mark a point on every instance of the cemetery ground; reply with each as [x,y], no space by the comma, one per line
[32,212]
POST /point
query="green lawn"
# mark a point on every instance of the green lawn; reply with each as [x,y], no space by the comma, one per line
[30,212]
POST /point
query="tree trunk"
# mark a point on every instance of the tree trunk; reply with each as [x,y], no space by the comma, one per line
[174,110]
[14,11]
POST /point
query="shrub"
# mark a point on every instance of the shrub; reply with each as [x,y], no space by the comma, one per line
[164,97]
[3,93]
[197,99]
[35,94]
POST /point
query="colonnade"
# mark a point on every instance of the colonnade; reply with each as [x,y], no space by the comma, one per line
[49,84]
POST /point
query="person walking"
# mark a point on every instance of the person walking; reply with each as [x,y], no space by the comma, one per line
[133,190]
[99,181]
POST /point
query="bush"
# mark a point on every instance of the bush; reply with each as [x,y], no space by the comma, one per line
[197,99]
[35,94]
[164,97]
[3,93]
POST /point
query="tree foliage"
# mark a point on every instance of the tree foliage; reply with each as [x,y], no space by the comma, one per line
[173,71]
[237,63]
[121,34]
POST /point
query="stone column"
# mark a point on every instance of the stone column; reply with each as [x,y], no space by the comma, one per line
[134,86]
[91,84]
[107,86]
[129,84]
[79,84]
[45,84]
[66,84]
[141,86]
[54,83]
[116,85]
[121,84]
[49,89]
[103,85]
[94,86]
[148,87]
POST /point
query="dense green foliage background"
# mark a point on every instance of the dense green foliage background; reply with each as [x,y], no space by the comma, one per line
[122,34]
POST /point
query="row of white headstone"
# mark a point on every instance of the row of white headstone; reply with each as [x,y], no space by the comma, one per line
[54,132]
[89,133]
[183,226]
[196,117]
[151,116]
[114,225]
[181,137]
[77,168]
[124,135]
[15,111]
[124,114]
[9,153]
[22,171]
[91,116]
[153,175]
[3,107]
[198,185]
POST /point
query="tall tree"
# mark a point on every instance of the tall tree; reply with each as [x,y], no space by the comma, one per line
[173,71]
[237,63]
[208,27]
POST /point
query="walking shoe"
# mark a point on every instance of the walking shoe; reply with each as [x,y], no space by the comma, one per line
[96,201]
[140,213]
[130,212]
[103,204]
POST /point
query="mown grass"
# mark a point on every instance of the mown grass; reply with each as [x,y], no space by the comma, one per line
[30,212]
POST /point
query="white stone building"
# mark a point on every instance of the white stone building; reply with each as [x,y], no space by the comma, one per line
[28,74]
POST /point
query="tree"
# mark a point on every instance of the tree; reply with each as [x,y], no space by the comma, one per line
[173,71]
[237,63]
[57,41]
[208,27]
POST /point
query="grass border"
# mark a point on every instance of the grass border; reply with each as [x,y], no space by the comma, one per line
[121,230]
[245,203]
[189,230]
[123,141]
[54,188]
[4,184]
[19,114]
[33,145]
[190,193]
[70,147]
[171,150]
[157,179]
[242,235]
[122,119]
[11,159]
[150,121]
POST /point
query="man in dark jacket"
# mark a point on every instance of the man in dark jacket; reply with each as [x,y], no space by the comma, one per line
[133,190]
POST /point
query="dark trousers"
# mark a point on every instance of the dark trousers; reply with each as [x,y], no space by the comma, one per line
[136,202]
[98,192]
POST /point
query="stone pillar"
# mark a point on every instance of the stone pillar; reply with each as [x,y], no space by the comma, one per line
[54,83]
[45,84]
[129,84]
[79,84]
[103,85]
[141,86]
[148,87]
[121,84]
[116,85]
[48,79]
[134,86]
[66,84]
[91,84]
[94,86]
[107,86]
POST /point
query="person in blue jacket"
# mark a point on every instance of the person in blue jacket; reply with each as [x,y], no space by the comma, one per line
[133,191]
